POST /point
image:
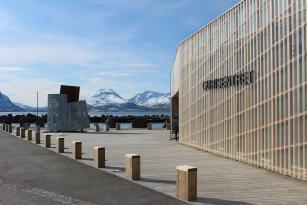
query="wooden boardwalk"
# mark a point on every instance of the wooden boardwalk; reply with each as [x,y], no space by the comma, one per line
[220,180]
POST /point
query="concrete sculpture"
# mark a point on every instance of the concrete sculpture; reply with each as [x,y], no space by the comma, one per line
[66,112]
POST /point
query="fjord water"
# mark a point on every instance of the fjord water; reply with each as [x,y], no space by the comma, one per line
[97,113]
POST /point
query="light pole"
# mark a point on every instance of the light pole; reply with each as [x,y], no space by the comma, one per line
[37,104]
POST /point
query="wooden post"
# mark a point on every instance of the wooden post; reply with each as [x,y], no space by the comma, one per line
[17,131]
[97,128]
[3,127]
[99,157]
[47,141]
[22,132]
[60,144]
[29,135]
[37,137]
[149,126]
[186,183]
[77,150]
[117,126]
[10,129]
[133,166]
[6,128]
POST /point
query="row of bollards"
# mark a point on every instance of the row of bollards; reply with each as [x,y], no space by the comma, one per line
[186,176]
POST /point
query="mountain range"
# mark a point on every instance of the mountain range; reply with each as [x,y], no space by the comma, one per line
[6,105]
[109,100]
[104,100]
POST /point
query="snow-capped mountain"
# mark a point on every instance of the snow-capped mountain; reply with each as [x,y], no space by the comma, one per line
[7,105]
[109,100]
[105,97]
[152,99]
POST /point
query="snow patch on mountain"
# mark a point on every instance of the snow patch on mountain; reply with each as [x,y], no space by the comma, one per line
[151,99]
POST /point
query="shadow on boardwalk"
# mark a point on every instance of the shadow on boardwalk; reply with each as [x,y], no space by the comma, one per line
[220,201]
[162,181]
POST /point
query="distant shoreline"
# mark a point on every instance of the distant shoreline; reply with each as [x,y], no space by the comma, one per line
[97,113]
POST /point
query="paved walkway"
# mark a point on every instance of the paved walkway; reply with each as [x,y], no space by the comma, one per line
[220,180]
[30,174]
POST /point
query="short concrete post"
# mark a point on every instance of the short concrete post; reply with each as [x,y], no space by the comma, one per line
[26,125]
[99,157]
[149,126]
[77,150]
[29,135]
[22,132]
[10,129]
[47,141]
[60,144]
[107,128]
[186,183]
[117,126]
[17,131]
[97,128]
[3,127]
[133,166]
[37,137]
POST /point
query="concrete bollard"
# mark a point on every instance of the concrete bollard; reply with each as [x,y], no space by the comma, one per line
[186,183]
[99,157]
[149,126]
[133,166]
[47,141]
[97,128]
[77,150]
[117,126]
[17,131]
[107,128]
[26,126]
[10,129]
[37,137]
[29,135]
[22,132]
[60,144]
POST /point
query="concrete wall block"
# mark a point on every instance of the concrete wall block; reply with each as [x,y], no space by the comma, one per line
[77,150]
[99,157]
[133,166]
[186,183]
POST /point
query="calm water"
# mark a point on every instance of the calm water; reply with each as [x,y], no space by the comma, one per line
[157,125]
[95,113]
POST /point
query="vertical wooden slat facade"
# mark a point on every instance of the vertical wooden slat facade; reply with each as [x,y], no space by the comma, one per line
[264,123]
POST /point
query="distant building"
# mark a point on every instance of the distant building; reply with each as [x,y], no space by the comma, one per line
[66,112]
[239,86]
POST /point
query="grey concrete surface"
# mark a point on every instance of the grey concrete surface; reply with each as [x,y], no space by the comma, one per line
[31,174]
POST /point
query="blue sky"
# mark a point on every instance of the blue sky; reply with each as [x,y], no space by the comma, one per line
[126,45]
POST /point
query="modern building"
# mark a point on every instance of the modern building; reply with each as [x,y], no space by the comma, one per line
[239,86]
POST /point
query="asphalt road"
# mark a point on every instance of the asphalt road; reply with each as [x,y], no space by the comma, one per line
[31,174]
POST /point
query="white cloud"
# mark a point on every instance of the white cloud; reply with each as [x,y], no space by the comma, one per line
[24,90]
[113,74]
[12,69]
[8,22]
